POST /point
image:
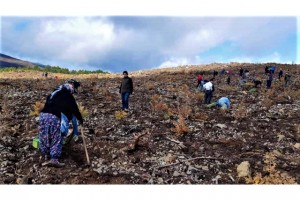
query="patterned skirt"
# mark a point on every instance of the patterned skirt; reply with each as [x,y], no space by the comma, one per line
[50,136]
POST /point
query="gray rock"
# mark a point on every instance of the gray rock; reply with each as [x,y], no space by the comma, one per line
[26,147]
[221,126]
[243,169]
[175,174]
[151,181]
[10,175]
[160,180]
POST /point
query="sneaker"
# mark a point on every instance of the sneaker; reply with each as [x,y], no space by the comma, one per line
[55,163]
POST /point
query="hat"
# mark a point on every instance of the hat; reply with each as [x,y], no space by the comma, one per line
[125,72]
[75,83]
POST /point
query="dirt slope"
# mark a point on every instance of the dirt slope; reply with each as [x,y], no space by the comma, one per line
[261,128]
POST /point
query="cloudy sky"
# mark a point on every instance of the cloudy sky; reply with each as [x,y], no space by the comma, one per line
[133,43]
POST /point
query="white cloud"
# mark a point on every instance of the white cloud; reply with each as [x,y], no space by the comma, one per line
[196,42]
[0,34]
[298,40]
[174,62]
[77,39]
[140,42]
[180,61]
[274,57]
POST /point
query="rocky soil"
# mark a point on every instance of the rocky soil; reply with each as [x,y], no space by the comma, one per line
[145,147]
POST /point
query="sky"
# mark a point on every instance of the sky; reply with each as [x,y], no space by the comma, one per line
[117,43]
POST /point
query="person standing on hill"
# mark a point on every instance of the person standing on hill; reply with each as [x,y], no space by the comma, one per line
[126,89]
[287,78]
[269,80]
[215,73]
[241,72]
[222,71]
[209,89]
[280,74]
[228,79]
[200,81]
[266,70]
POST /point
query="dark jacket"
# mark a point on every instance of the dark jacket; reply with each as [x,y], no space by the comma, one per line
[270,77]
[126,85]
[62,102]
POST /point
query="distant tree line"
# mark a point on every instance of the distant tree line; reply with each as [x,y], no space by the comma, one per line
[51,69]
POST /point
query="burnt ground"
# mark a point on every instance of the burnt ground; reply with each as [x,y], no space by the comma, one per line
[260,123]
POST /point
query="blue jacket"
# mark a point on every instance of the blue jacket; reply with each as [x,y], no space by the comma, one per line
[222,101]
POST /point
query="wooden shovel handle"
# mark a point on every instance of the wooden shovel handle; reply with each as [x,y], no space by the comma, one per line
[85,148]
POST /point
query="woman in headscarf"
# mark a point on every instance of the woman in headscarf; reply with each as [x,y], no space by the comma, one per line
[60,102]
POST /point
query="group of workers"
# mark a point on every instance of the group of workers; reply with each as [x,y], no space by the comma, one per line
[224,103]
[61,108]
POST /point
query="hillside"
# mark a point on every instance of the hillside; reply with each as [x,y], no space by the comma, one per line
[168,137]
[8,61]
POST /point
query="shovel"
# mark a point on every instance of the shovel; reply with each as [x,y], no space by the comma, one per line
[84,144]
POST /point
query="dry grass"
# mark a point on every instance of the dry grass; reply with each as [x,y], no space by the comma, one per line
[273,176]
[228,88]
[171,112]
[199,96]
[270,92]
[107,95]
[201,116]
[4,109]
[180,127]
[31,74]
[267,102]
[155,98]
[294,94]
[158,105]
[149,86]
[248,86]
[37,108]
[297,128]
[84,112]
[282,96]
[119,115]
[185,111]
[241,111]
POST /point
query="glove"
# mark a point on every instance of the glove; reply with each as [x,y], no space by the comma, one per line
[76,138]
[67,139]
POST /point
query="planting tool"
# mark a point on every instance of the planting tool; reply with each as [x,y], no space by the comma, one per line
[84,144]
